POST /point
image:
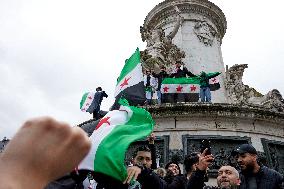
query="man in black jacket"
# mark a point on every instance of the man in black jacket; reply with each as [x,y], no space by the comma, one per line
[142,172]
[98,98]
[149,179]
[181,71]
[254,175]
[160,76]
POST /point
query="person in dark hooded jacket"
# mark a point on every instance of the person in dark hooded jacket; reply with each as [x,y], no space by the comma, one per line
[98,98]
[173,170]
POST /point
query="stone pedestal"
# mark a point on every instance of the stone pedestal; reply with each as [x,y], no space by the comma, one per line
[199,36]
[226,126]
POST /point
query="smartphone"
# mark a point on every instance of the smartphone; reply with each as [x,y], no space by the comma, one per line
[205,144]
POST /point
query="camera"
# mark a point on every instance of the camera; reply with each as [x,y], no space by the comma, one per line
[205,144]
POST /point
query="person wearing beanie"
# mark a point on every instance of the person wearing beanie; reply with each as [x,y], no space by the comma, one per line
[172,169]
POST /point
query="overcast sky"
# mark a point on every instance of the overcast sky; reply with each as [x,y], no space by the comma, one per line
[52,51]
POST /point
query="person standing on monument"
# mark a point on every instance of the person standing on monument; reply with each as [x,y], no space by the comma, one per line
[98,98]
[253,174]
[181,71]
[160,77]
[150,84]
[205,93]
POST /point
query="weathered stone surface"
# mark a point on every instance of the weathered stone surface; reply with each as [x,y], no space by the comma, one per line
[275,154]
[238,93]
[226,125]
[160,49]
[192,31]
[198,37]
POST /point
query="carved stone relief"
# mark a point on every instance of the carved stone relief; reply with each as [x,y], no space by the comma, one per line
[161,13]
[204,32]
[160,50]
[239,93]
[273,100]
[176,155]
[221,147]
[275,154]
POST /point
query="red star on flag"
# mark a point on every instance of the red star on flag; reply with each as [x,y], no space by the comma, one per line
[103,120]
[166,89]
[87,104]
[125,82]
[90,97]
[179,88]
[192,88]
[214,80]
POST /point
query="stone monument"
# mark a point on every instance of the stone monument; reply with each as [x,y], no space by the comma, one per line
[191,31]
[197,40]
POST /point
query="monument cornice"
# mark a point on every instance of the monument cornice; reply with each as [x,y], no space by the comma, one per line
[165,9]
[216,110]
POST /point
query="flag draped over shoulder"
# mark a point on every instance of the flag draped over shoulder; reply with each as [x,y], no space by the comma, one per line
[86,101]
[130,83]
[111,138]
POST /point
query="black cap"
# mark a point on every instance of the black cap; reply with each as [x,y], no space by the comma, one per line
[245,148]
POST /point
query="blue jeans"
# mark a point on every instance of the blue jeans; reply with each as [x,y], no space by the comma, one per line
[159,96]
[205,94]
[149,95]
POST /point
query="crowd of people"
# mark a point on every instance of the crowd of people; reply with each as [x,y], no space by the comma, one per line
[252,174]
[44,150]
[153,82]
[44,153]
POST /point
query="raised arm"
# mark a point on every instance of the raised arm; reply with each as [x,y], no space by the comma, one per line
[42,150]
[188,73]
[211,75]
[104,94]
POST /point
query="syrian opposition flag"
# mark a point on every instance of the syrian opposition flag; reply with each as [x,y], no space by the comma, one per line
[214,83]
[111,138]
[130,83]
[86,102]
[188,86]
